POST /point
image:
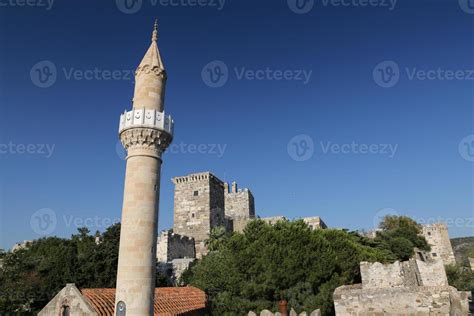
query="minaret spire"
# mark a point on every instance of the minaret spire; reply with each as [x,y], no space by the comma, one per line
[150,78]
[154,37]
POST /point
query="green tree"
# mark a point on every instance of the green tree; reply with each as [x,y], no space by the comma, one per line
[400,235]
[460,277]
[288,260]
[217,238]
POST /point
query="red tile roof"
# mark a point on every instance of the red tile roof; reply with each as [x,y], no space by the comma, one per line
[169,301]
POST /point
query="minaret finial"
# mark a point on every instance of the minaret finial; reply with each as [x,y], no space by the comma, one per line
[154,38]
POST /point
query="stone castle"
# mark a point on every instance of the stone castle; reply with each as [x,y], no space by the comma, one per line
[438,238]
[415,287]
[203,202]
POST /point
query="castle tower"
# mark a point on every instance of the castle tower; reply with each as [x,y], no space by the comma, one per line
[198,207]
[437,237]
[145,132]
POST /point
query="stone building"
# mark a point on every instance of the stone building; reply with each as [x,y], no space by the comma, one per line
[172,246]
[22,245]
[416,287]
[239,202]
[437,236]
[202,202]
[315,222]
[182,301]
[199,206]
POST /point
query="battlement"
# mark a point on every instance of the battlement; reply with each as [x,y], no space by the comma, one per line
[170,235]
[239,203]
[196,177]
[172,246]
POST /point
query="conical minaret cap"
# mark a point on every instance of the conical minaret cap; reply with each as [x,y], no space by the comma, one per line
[150,78]
[152,57]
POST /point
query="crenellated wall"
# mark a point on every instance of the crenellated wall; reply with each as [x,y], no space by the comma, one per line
[415,287]
[174,246]
[239,203]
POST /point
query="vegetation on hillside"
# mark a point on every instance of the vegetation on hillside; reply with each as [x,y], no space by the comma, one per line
[463,249]
[288,260]
[30,277]
[242,272]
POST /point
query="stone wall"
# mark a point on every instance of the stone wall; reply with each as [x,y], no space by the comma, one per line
[292,312]
[315,222]
[274,219]
[414,287]
[174,269]
[198,207]
[441,300]
[173,246]
[432,273]
[239,203]
[378,275]
[438,238]
[239,224]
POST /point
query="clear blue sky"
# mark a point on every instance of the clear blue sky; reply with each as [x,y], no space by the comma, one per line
[342,109]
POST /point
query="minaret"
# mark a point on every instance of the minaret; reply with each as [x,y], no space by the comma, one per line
[145,132]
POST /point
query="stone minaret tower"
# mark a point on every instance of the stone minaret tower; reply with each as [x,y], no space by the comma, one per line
[145,132]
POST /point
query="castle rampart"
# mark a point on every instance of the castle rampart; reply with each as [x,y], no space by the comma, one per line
[172,246]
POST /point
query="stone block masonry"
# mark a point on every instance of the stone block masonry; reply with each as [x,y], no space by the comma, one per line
[172,246]
[198,207]
[437,236]
[239,203]
[414,287]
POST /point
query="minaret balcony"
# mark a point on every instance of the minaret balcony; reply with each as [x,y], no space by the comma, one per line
[146,118]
